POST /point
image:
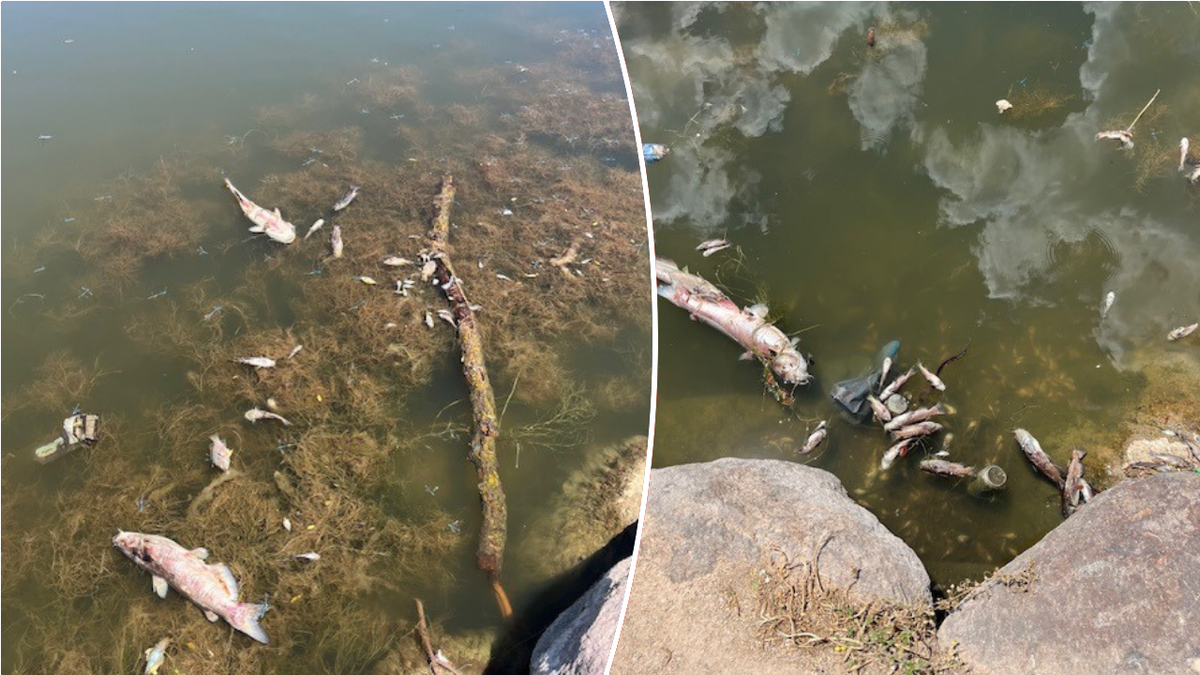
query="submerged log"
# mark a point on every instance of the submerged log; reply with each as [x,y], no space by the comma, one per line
[494,531]
[748,327]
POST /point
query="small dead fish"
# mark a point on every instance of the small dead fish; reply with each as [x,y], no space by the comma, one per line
[941,467]
[1182,332]
[1107,304]
[934,380]
[896,384]
[287,524]
[1122,135]
[295,351]
[219,453]
[814,439]
[447,316]
[257,415]
[887,365]
[1183,153]
[335,240]
[155,656]
[315,226]
[880,410]
[396,261]
[366,280]
[913,417]
[711,246]
[1003,106]
[428,269]
[347,198]
[915,430]
[403,286]
[1038,457]
[428,319]
[310,556]
[256,361]
[892,454]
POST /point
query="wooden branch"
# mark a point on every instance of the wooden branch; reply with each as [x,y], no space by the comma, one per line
[1129,129]
[490,555]
[434,659]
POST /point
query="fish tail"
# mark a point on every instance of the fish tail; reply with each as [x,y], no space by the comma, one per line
[245,618]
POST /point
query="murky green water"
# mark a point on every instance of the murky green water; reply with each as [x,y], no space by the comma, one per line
[130,281]
[876,194]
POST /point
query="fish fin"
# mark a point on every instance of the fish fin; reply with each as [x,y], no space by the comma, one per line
[759,310]
[201,553]
[795,341]
[227,576]
[257,228]
[277,213]
[160,586]
[210,615]
[746,356]
[245,619]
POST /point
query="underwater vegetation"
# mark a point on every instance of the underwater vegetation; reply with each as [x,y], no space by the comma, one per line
[549,239]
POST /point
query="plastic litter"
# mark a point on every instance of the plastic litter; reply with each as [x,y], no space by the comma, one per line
[652,152]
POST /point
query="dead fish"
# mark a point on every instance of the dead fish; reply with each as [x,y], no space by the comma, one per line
[287,523]
[504,277]
[1107,304]
[1182,332]
[892,454]
[1183,153]
[256,361]
[814,439]
[347,198]
[219,453]
[941,467]
[1003,106]
[258,414]
[1038,457]
[896,384]
[428,319]
[934,380]
[1122,135]
[212,587]
[428,269]
[871,36]
[881,412]
[403,286]
[396,261]
[295,351]
[915,430]
[155,656]
[310,556]
[1073,483]
[711,246]
[270,223]
[366,280]
[447,316]
[913,417]
[335,240]
[315,226]
[887,365]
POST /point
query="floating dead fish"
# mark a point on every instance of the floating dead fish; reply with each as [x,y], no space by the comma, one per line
[880,410]
[155,656]
[934,380]
[894,452]
[1038,457]
[258,414]
[1182,332]
[428,319]
[711,246]
[219,453]
[347,198]
[428,269]
[256,361]
[940,467]
[871,36]
[814,439]
[270,223]
[1109,299]
[447,316]
[287,524]
[396,261]
[212,587]
[896,384]
[919,415]
[403,286]
[310,556]
[315,226]
[1072,489]
[335,240]
[1183,153]
[887,365]
[916,430]
[1003,106]
[503,277]
[366,280]
[1123,135]
[295,351]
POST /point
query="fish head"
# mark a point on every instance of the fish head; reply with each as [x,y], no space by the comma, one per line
[134,546]
[791,367]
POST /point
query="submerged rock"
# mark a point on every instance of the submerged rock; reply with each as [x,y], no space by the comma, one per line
[1113,589]
[580,640]
[708,531]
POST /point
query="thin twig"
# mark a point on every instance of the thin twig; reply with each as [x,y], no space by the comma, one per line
[1129,129]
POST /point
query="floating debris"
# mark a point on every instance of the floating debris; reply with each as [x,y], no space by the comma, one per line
[1107,304]
[652,152]
[432,490]
[1003,105]
[84,292]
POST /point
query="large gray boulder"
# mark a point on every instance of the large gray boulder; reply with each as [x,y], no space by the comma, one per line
[708,532]
[580,640]
[1114,589]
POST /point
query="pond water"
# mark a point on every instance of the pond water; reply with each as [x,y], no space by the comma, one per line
[876,194]
[131,283]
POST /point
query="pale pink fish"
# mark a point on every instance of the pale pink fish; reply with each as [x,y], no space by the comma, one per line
[1123,135]
[914,430]
[219,453]
[934,380]
[1182,332]
[896,384]
[881,412]
[270,223]
[258,414]
[814,439]
[889,457]
[211,587]
[912,417]
[711,246]
[335,240]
